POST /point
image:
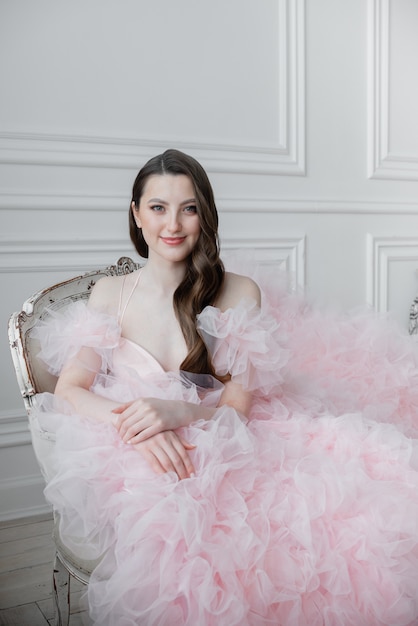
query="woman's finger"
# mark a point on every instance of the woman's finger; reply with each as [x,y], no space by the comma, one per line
[122,407]
[166,452]
[144,431]
[171,461]
[186,444]
[152,460]
[130,423]
[180,447]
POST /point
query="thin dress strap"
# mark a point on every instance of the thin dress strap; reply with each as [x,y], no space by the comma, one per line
[121,312]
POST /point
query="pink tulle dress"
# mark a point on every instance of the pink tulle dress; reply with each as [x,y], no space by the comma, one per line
[304,514]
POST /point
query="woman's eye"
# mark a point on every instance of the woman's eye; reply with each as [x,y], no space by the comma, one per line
[157,208]
[190,209]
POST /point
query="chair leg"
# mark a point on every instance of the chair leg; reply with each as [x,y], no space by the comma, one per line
[61,593]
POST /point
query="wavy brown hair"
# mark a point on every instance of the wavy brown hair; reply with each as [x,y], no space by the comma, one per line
[205,270]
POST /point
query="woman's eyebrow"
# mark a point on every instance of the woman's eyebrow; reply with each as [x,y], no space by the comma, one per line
[160,201]
[157,200]
[189,201]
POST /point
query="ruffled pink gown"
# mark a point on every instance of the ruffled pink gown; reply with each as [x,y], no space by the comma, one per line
[306,514]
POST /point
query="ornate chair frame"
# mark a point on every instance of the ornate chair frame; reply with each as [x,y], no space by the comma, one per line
[413,318]
[33,378]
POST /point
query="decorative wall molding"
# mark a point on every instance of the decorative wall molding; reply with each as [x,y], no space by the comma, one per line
[381,252]
[22,497]
[79,255]
[382,162]
[286,157]
[285,253]
[35,200]
[317,206]
[82,255]
[14,428]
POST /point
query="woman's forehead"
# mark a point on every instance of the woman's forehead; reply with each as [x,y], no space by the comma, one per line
[166,186]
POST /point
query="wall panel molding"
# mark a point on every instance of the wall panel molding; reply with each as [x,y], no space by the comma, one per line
[14,428]
[382,162]
[284,253]
[336,206]
[382,252]
[286,157]
[24,256]
[35,200]
[22,497]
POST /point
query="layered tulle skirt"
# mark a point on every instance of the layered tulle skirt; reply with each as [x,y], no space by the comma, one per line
[306,514]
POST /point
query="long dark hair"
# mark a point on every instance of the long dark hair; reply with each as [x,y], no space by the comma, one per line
[205,270]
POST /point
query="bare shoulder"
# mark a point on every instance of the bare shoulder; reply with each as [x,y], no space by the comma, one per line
[105,294]
[236,287]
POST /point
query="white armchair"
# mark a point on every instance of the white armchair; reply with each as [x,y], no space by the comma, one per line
[33,378]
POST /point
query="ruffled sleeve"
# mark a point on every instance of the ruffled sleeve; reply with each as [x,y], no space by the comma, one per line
[62,334]
[246,343]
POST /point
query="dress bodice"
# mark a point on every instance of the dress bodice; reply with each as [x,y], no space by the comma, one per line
[129,354]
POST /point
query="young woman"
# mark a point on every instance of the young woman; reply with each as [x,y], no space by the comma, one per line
[238,458]
[173,223]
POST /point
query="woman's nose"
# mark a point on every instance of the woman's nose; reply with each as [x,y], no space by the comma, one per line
[174,222]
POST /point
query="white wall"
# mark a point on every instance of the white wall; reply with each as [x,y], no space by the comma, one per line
[302,112]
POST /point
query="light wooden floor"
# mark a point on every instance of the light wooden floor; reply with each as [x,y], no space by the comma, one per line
[26,557]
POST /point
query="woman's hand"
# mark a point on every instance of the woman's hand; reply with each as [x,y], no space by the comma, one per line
[167,452]
[141,419]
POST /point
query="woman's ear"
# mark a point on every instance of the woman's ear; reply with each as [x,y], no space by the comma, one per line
[135,213]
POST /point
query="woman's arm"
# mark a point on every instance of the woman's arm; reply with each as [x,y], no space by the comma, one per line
[74,384]
[78,375]
[165,451]
[145,417]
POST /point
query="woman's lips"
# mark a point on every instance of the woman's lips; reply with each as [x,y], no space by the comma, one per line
[173,241]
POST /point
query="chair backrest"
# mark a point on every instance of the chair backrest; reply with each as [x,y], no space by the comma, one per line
[413,317]
[32,375]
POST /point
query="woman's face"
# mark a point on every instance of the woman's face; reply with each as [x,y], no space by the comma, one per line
[168,217]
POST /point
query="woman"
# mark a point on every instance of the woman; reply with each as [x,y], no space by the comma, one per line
[173,223]
[234,469]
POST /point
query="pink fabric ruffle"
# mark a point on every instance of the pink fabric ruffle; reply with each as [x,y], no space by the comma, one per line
[63,333]
[353,362]
[305,515]
[245,343]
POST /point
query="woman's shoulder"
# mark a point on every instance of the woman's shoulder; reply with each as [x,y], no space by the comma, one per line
[235,288]
[106,293]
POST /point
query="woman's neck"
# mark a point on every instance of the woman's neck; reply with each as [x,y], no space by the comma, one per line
[164,277]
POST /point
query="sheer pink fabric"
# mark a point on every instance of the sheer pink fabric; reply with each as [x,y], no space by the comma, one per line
[306,514]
